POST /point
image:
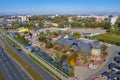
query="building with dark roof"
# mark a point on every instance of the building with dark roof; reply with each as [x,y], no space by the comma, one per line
[68,42]
[82,45]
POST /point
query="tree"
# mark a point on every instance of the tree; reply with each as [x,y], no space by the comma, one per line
[47,32]
[4,24]
[42,38]
[57,48]
[104,24]
[49,45]
[63,57]
[77,35]
[54,34]
[72,62]
[75,54]
[118,25]
[15,26]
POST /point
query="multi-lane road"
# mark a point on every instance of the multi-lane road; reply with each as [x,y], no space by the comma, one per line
[43,73]
[10,69]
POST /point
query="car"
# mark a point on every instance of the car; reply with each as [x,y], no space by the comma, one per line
[118,53]
[106,74]
[118,72]
[113,71]
[111,65]
[118,78]
[96,78]
[110,77]
[19,49]
[117,67]
[117,59]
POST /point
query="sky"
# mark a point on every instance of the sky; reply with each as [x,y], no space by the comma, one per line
[59,6]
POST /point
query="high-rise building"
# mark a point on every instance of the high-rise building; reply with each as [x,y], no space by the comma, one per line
[112,20]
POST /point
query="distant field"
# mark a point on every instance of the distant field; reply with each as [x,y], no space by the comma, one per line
[109,38]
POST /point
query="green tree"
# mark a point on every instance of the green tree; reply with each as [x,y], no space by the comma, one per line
[47,32]
[118,25]
[77,35]
[49,45]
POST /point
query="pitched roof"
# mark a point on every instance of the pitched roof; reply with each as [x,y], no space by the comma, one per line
[65,41]
[83,46]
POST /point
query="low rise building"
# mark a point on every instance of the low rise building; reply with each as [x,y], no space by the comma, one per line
[82,45]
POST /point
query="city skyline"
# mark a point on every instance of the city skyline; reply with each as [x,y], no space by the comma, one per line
[59,7]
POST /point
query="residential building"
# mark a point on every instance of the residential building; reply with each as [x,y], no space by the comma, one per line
[112,20]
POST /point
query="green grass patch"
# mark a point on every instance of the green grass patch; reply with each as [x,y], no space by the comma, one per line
[27,68]
[48,70]
[109,38]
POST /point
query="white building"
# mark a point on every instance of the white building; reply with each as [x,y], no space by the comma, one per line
[24,18]
[112,20]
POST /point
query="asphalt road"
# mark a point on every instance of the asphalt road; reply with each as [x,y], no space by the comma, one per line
[112,52]
[44,74]
[10,69]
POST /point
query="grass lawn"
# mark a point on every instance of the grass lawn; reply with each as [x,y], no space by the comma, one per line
[1,76]
[109,38]
[28,68]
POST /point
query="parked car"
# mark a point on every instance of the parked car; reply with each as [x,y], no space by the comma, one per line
[118,78]
[117,67]
[117,59]
[96,78]
[19,49]
[118,53]
[111,65]
[106,74]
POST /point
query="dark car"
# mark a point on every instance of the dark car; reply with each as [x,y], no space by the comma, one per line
[106,74]
[111,65]
[19,49]
[117,67]
[117,59]
[118,53]
[118,72]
